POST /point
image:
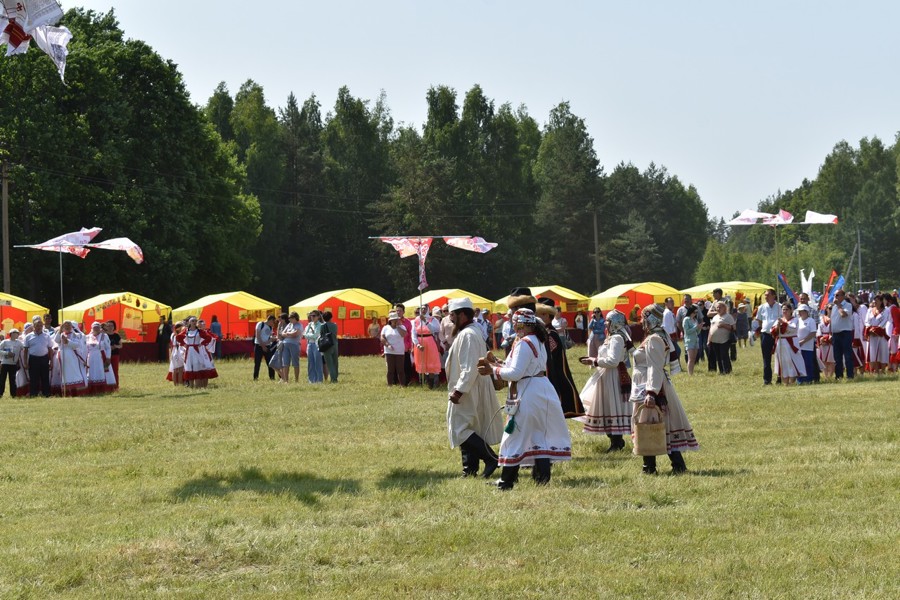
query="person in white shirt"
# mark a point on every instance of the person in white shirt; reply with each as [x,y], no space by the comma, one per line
[10,349]
[263,348]
[842,336]
[392,339]
[671,328]
[806,339]
[767,315]
[720,330]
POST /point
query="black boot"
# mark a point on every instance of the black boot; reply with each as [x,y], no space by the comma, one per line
[508,478]
[479,450]
[678,465]
[616,443]
[469,461]
[541,471]
[649,465]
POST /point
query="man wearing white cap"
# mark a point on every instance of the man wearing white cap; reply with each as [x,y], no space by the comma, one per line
[472,422]
[10,348]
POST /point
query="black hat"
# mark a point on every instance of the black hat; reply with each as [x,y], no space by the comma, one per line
[521,297]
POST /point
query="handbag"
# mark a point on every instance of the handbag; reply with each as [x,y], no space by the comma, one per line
[567,341]
[326,339]
[649,438]
[276,361]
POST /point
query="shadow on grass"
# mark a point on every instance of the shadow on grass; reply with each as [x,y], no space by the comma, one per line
[305,487]
[579,482]
[412,479]
[718,472]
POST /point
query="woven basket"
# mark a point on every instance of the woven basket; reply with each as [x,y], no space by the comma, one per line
[649,439]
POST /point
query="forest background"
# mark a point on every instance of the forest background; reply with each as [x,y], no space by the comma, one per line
[280,201]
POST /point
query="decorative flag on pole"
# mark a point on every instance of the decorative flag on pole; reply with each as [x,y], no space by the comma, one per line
[54,41]
[73,243]
[405,246]
[750,217]
[782,218]
[806,283]
[472,244]
[424,244]
[814,218]
[123,244]
[824,301]
[837,285]
[787,289]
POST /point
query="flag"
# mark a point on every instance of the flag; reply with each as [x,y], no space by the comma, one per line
[806,282]
[424,244]
[750,217]
[404,246]
[472,244]
[782,218]
[837,285]
[123,244]
[73,243]
[787,288]
[814,218]
[42,12]
[824,301]
[54,41]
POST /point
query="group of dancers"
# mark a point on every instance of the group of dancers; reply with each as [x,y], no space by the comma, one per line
[191,351]
[63,361]
[535,433]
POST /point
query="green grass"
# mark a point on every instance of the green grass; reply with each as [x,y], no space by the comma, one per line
[351,491]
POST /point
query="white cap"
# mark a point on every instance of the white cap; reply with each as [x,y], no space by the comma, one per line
[393,315]
[803,307]
[459,303]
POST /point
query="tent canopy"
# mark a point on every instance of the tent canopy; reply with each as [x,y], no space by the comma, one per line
[237,312]
[351,309]
[624,297]
[563,296]
[735,289]
[15,311]
[440,297]
[136,315]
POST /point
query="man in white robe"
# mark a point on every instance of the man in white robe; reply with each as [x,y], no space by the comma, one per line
[472,421]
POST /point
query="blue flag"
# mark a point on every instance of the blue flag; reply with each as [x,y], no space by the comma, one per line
[787,289]
[838,284]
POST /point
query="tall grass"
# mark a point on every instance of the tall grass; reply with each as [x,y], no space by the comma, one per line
[256,489]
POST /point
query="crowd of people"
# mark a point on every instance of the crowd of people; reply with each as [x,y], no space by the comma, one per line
[42,360]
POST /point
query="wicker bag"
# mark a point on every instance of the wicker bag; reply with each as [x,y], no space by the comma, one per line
[486,361]
[648,432]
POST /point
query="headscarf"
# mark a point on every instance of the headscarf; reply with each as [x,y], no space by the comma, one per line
[616,323]
[653,317]
[524,316]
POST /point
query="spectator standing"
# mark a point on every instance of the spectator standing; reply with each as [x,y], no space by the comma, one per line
[842,336]
[215,328]
[596,332]
[115,346]
[331,354]
[10,351]
[314,369]
[720,330]
[38,348]
[263,346]
[767,315]
[806,339]
[392,336]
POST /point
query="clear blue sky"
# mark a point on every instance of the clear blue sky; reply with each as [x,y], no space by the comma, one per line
[739,99]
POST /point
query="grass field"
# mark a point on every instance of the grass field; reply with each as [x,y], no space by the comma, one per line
[351,491]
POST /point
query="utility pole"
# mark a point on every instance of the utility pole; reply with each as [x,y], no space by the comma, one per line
[859,256]
[596,253]
[5,218]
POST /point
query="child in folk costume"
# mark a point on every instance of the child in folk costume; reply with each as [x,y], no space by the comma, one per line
[70,363]
[426,356]
[99,364]
[536,432]
[876,336]
[198,365]
[605,395]
[824,346]
[649,373]
[788,359]
[176,357]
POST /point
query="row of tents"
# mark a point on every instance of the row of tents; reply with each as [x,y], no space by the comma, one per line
[353,309]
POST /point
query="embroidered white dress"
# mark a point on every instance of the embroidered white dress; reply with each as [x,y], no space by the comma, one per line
[100,377]
[540,429]
[607,409]
[70,363]
[788,360]
[876,332]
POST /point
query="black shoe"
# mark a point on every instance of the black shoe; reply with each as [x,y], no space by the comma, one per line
[466,474]
[489,469]
[648,470]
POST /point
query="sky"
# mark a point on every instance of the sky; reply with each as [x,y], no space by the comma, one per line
[740,100]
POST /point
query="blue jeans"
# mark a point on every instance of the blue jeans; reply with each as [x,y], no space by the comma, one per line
[767,343]
[842,343]
[290,355]
[314,363]
[809,359]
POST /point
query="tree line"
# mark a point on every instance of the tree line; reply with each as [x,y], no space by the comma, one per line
[280,201]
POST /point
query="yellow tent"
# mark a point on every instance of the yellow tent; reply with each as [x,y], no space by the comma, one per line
[738,290]
[351,309]
[238,312]
[570,300]
[137,316]
[624,297]
[440,297]
[15,311]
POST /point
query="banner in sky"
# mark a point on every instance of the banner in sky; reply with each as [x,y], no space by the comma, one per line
[73,243]
[405,246]
[782,217]
[472,244]
[814,218]
[422,251]
[123,244]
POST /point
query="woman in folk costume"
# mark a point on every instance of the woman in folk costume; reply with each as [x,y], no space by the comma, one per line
[426,356]
[71,360]
[858,345]
[605,395]
[557,364]
[176,357]
[824,347]
[788,359]
[209,357]
[99,364]
[198,369]
[893,310]
[536,432]
[473,424]
[875,333]
[650,361]
[22,383]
